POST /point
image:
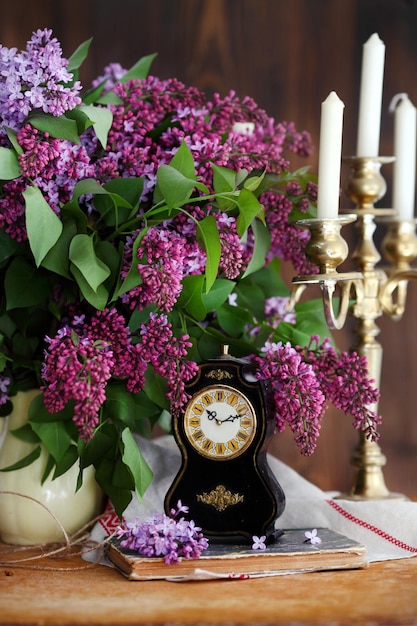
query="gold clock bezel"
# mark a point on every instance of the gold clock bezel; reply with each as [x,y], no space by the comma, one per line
[233,447]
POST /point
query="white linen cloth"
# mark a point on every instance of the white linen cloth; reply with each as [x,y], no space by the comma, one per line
[388,528]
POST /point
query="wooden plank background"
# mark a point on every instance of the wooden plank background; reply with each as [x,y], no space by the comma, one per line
[287,55]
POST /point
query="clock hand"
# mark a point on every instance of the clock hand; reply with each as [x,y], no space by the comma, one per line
[212,415]
[231,418]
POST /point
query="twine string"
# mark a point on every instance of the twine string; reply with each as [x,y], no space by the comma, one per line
[78,541]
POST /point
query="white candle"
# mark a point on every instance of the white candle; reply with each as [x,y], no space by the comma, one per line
[330,156]
[404,174]
[370,99]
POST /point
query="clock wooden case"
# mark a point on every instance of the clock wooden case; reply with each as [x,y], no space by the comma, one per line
[223,436]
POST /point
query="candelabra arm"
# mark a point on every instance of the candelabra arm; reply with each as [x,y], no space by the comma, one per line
[400,249]
[295,295]
[396,283]
[336,321]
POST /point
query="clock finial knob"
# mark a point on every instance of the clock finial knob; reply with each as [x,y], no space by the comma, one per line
[225,349]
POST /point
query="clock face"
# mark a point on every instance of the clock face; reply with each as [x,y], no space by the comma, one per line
[220,422]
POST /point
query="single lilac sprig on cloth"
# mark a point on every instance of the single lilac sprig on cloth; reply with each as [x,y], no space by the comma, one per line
[160,535]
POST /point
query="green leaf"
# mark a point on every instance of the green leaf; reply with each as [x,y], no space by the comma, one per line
[183,161]
[233,319]
[156,388]
[9,164]
[26,433]
[61,127]
[83,256]
[218,294]
[102,120]
[24,286]
[12,136]
[190,297]
[175,188]
[91,186]
[209,239]
[224,182]
[249,208]
[69,458]
[79,55]
[57,259]
[140,69]
[133,278]
[224,179]
[129,188]
[98,447]
[121,405]
[253,182]
[110,475]
[8,246]
[98,298]
[141,472]
[54,436]
[262,239]
[43,226]
[38,413]
[27,460]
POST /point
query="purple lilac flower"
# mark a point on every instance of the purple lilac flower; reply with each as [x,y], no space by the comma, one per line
[312,537]
[81,359]
[4,389]
[167,354]
[259,542]
[276,311]
[298,399]
[54,165]
[232,250]
[112,74]
[83,356]
[161,261]
[345,382]
[172,538]
[35,78]
[207,128]
[77,369]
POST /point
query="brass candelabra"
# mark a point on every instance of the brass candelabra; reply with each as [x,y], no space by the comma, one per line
[366,294]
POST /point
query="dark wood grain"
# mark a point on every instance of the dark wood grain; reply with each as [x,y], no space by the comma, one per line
[288,55]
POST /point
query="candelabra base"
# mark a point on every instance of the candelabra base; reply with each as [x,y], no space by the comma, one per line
[358,498]
[369,483]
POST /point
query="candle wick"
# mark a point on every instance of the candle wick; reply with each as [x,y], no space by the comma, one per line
[395,101]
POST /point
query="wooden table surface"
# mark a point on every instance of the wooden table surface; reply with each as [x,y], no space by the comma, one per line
[73,592]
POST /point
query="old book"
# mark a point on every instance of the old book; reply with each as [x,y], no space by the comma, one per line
[290,553]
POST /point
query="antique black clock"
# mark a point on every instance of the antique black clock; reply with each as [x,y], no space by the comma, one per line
[223,436]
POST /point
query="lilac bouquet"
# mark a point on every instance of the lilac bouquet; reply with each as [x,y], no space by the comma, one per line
[142,226]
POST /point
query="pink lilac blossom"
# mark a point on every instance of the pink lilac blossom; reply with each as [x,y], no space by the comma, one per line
[276,311]
[304,379]
[112,74]
[167,354]
[54,165]
[299,401]
[136,149]
[171,537]
[84,355]
[4,389]
[161,267]
[345,381]
[35,78]
[77,369]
